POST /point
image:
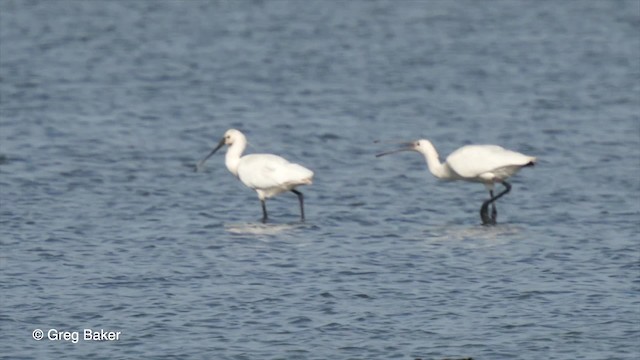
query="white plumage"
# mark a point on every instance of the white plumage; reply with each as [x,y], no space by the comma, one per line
[487,164]
[270,174]
[267,174]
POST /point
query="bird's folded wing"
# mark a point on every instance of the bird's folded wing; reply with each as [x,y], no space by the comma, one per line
[473,160]
[264,171]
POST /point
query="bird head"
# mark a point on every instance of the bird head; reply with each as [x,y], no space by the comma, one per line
[230,137]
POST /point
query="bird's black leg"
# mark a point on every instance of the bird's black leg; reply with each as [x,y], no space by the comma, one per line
[301,200]
[484,213]
[507,188]
[494,212]
[484,210]
[264,211]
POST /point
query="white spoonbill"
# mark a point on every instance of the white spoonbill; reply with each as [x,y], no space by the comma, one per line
[267,174]
[486,164]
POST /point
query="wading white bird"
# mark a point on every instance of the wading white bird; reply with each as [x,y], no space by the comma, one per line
[267,174]
[486,164]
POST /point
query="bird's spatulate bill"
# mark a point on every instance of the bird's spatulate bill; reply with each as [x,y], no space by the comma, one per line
[407,147]
[199,165]
[395,142]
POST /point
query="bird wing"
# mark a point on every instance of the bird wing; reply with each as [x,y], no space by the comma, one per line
[473,160]
[265,171]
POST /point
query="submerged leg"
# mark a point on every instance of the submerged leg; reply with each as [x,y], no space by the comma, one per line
[264,211]
[484,210]
[301,201]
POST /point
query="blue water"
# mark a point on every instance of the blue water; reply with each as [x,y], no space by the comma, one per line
[105,106]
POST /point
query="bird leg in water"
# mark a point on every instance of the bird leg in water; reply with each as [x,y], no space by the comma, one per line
[484,214]
[301,200]
[484,210]
[264,211]
[494,212]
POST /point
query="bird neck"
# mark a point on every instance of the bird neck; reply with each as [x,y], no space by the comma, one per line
[436,168]
[232,158]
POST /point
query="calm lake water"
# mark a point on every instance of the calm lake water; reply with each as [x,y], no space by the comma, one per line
[105,106]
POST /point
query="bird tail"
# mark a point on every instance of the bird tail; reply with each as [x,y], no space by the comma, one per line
[304,175]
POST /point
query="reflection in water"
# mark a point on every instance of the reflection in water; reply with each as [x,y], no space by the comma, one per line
[487,235]
[260,228]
